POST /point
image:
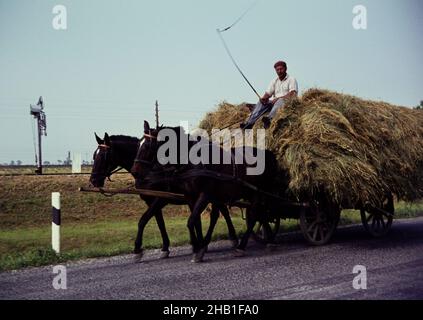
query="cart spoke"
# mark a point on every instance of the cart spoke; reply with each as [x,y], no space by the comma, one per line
[327,227]
[380,218]
[318,224]
[311,227]
[315,233]
[383,223]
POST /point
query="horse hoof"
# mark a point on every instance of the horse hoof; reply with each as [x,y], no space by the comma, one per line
[198,257]
[195,259]
[202,252]
[239,253]
[164,254]
[138,257]
[234,243]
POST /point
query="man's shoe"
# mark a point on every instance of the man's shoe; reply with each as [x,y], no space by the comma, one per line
[243,125]
[266,122]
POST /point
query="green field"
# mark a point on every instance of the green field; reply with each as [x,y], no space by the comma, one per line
[94,225]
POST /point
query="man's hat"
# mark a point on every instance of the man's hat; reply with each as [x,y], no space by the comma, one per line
[280,63]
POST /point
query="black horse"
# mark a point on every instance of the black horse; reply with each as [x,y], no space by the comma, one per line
[206,183]
[115,152]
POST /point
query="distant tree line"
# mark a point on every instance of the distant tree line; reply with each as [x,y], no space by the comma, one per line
[66,162]
[420,107]
[13,163]
[17,163]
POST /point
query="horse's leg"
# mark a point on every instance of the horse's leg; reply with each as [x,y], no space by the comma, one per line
[199,230]
[231,229]
[198,244]
[192,234]
[152,209]
[198,235]
[163,232]
[269,236]
[214,216]
[251,222]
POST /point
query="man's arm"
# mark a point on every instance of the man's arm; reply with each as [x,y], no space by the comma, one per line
[269,92]
[291,94]
[265,98]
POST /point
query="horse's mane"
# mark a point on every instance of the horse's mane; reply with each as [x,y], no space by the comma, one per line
[124,139]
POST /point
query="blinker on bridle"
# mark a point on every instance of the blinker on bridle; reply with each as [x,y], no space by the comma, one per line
[107,175]
[150,163]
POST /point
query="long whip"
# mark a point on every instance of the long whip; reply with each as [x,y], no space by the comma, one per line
[220,31]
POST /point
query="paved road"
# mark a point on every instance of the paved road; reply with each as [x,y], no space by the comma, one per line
[293,271]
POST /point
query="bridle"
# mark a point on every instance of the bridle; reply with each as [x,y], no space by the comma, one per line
[108,173]
[146,162]
[146,135]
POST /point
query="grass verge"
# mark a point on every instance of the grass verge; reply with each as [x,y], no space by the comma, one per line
[23,247]
[31,246]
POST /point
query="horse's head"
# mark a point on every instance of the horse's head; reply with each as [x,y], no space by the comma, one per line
[146,156]
[104,162]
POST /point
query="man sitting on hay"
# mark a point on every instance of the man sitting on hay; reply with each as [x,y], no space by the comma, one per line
[282,88]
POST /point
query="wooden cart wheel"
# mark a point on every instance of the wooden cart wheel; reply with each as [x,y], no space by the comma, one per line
[258,232]
[378,221]
[318,224]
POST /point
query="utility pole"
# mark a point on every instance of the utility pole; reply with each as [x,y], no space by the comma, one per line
[38,113]
[157,114]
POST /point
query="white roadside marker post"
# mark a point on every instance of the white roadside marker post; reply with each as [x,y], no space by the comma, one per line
[56,220]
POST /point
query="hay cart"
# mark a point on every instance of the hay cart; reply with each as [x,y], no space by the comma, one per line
[318,217]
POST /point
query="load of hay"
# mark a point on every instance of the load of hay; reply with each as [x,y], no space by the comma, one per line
[352,150]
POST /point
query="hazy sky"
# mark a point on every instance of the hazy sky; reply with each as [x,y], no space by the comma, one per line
[116,58]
